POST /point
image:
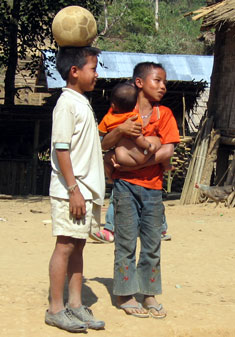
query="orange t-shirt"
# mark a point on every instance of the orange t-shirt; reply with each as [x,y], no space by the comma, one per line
[111,120]
[163,125]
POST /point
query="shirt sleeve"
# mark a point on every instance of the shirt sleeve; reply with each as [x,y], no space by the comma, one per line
[62,146]
[103,125]
[63,124]
[168,129]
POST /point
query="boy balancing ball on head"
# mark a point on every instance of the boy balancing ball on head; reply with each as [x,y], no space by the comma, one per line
[129,151]
[76,189]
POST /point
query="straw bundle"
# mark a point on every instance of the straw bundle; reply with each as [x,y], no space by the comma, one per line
[215,15]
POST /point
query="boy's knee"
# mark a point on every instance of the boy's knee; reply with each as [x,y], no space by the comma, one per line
[80,245]
[65,245]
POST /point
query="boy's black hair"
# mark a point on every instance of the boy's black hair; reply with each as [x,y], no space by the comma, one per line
[142,69]
[73,56]
[124,96]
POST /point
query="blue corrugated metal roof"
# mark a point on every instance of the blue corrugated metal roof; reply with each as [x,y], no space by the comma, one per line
[120,65]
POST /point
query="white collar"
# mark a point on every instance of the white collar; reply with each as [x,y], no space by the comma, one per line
[77,95]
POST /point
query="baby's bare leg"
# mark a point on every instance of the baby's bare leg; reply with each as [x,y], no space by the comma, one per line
[129,154]
[126,152]
[108,166]
[156,141]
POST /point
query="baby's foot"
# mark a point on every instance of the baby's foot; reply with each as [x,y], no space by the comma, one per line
[115,164]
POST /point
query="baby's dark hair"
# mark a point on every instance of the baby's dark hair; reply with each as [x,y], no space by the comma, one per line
[142,69]
[124,96]
[73,56]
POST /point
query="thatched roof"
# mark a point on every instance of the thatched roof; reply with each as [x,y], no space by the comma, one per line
[215,15]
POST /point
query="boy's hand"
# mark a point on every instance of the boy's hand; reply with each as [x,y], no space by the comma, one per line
[77,205]
[130,127]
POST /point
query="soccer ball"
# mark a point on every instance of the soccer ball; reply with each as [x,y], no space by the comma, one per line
[74,26]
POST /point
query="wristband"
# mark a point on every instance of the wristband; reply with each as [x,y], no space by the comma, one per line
[72,188]
[146,151]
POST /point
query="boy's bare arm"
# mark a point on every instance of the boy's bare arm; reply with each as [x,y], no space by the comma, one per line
[128,128]
[165,152]
[77,204]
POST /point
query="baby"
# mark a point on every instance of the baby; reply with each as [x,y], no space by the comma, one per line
[129,151]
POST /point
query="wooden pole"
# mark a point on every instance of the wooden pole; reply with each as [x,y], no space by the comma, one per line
[184,111]
[35,156]
[189,193]
[211,157]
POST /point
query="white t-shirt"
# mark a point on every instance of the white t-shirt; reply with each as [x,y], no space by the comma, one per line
[74,127]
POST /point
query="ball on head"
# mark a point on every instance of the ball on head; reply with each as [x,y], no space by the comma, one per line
[74,26]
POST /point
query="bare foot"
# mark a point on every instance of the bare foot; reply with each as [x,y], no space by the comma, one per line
[131,306]
[156,310]
[115,164]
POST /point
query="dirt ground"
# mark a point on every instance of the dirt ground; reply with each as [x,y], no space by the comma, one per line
[198,271]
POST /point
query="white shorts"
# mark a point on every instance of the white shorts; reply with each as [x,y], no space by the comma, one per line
[63,223]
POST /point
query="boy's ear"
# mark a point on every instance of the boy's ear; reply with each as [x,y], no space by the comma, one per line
[139,82]
[74,70]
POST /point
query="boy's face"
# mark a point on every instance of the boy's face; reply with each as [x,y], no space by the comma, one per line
[153,85]
[87,76]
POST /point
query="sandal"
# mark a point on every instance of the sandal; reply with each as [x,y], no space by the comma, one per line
[156,308]
[104,236]
[137,306]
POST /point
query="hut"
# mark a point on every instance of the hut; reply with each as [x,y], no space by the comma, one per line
[213,161]
[25,129]
[188,78]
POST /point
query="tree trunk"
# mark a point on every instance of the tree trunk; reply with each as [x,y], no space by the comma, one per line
[106,25]
[156,15]
[13,55]
[221,102]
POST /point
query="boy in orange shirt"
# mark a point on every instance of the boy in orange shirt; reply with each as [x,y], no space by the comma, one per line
[137,196]
[129,151]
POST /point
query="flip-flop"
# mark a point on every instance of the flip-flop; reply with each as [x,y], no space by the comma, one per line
[133,306]
[103,235]
[157,308]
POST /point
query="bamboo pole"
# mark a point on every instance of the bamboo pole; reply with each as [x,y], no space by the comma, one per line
[211,157]
[189,193]
[184,110]
[186,188]
[35,156]
[184,194]
[205,144]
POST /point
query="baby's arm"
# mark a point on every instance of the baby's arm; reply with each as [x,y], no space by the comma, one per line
[144,144]
[77,204]
[150,143]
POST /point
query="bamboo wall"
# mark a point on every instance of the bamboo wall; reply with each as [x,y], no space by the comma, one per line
[174,180]
[17,177]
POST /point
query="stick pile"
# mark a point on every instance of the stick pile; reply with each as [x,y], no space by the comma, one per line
[190,194]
